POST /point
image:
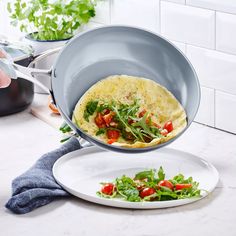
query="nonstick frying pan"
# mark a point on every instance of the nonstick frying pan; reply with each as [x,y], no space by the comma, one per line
[111,50]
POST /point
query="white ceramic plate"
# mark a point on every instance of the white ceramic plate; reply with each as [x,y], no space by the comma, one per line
[81,171]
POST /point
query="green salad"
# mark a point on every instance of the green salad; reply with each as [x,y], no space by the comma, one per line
[126,120]
[150,185]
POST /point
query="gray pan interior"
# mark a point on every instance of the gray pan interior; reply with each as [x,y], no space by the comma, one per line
[111,50]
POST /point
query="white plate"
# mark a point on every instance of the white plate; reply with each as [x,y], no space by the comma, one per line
[80,173]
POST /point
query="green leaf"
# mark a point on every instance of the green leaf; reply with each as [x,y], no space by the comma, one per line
[22,28]
[145,174]
[126,187]
[90,109]
[161,174]
[9,7]
[65,128]
[23,5]
[132,195]
[100,131]
[145,127]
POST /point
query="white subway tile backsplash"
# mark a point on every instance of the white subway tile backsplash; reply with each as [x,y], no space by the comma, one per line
[188,24]
[226,32]
[102,12]
[215,69]
[225,111]
[206,112]
[139,13]
[92,25]
[218,5]
[198,28]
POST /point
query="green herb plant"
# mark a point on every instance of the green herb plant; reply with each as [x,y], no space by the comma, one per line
[51,20]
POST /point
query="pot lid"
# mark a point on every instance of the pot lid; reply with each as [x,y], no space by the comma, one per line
[15,49]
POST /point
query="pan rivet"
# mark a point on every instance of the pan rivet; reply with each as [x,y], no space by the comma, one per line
[54,73]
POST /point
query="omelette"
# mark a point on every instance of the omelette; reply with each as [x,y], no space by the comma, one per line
[130,112]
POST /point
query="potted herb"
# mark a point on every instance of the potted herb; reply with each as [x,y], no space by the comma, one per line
[50,24]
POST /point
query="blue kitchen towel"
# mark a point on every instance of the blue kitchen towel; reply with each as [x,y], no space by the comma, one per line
[37,186]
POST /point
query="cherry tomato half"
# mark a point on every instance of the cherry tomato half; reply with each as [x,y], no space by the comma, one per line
[182,186]
[168,126]
[166,183]
[111,140]
[99,120]
[108,189]
[108,118]
[139,185]
[113,134]
[147,192]
[142,113]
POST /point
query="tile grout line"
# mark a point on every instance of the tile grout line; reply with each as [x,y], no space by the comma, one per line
[211,49]
[199,7]
[220,11]
[160,16]
[215,32]
[204,86]
[215,108]
[223,130]
[110,7]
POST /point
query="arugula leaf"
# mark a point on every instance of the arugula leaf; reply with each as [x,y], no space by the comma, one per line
[65,128]
[100,131]
[126,187]
[104,106]
[132,195]
[123,121]
[147,174]
[90,109]
[161,174]
[145,128]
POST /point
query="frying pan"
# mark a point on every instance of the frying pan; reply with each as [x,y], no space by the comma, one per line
[111,50]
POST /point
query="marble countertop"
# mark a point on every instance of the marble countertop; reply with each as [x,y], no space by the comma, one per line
[24,138]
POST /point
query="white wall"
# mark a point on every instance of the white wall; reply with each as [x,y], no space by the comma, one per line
[5,27]
[205,30]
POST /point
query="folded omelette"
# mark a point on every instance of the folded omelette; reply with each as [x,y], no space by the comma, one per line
[130,112]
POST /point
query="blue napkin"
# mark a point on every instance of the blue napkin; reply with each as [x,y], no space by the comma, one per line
[37,186]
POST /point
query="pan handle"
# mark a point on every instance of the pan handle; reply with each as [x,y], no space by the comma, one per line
[43,55]
[29,73]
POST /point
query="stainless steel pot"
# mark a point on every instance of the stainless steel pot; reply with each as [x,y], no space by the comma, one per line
[98,53]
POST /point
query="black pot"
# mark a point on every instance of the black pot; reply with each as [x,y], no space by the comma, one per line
[19,95]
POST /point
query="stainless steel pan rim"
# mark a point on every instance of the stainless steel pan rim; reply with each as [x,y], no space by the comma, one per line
[55,73]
